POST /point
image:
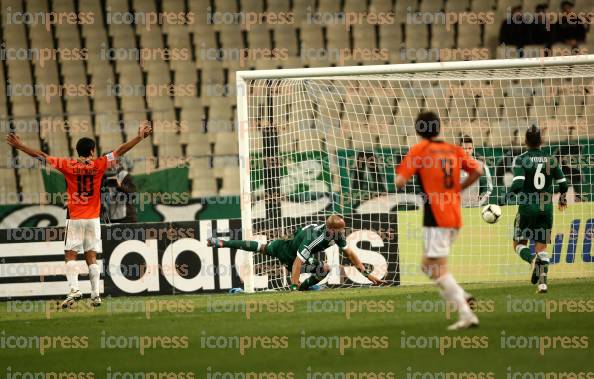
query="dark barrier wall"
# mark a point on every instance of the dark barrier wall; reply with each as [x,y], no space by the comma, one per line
[137,259]
[170,258]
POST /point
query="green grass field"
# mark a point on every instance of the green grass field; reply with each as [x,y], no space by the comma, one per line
[387,330]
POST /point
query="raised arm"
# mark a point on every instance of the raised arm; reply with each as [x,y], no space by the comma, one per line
[15,141]
[144,131]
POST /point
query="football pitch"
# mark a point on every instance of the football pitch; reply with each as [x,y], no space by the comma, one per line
[382,332]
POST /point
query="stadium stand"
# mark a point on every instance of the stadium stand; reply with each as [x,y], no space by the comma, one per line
[195,123]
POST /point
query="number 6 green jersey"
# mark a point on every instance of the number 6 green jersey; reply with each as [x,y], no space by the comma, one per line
[535,172]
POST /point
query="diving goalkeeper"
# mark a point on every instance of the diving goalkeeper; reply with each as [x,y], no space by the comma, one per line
[300,252]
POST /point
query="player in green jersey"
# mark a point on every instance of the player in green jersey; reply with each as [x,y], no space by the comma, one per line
[300,251]
[535,172]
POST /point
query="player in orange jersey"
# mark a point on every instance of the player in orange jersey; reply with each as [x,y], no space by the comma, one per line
[437,166]
[83,186]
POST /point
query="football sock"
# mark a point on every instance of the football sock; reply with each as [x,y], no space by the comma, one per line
[243,245]
[94,276]
[543,260]
[525,253]
[452,292]
[72,275]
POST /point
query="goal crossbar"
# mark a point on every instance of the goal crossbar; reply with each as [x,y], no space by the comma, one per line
[413,67]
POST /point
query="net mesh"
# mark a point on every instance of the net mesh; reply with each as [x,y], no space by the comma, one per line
[324,145]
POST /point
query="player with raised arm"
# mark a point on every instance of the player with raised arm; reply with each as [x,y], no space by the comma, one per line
[300,251]
[83,185]
[437,166]
[534,174]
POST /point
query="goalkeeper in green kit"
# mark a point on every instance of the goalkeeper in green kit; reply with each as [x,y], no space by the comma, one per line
[534,173]
[299,253]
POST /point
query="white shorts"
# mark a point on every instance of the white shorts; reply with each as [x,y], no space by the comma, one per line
[437,241]
[83,235]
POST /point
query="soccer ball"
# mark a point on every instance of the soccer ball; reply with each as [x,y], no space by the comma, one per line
[491,213]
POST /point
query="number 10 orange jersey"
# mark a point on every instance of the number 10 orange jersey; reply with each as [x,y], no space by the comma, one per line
[83,183]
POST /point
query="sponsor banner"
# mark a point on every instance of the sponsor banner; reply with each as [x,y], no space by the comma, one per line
[33,264]
[170,258]
[484,253]
[137,259]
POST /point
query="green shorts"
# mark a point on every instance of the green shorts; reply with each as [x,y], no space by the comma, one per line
[534,224]
[281,250]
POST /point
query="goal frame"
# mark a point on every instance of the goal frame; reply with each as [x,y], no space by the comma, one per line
[243,112]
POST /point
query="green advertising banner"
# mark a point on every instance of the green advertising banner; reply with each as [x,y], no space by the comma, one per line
[163,195]
[366,179]
[367,174]
[301,174]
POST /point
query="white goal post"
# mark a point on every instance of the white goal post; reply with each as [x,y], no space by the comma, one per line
[317,141]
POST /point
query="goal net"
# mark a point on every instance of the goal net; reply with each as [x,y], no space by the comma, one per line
[314,142]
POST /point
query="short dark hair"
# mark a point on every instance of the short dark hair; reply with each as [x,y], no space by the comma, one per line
[466,139]
[533,137]
[427,125]
[84,146]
